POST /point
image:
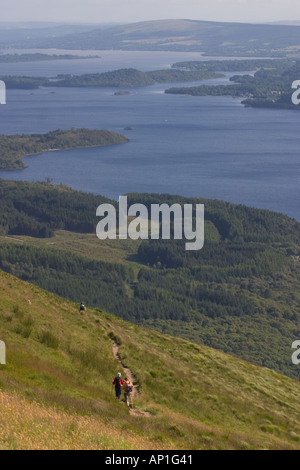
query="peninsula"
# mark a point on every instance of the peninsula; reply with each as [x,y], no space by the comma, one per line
[15,147]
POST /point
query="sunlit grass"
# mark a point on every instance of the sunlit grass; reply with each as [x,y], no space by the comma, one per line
[115,251]
[56,389]
[32,426]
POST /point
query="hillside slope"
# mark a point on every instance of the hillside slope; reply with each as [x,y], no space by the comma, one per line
[239,294]
[55,391]
[235,39]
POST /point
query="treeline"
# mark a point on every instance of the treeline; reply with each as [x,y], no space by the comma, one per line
[211,90]
[269,87]
[233,222]
[59,207]
[69,275]
[215,262]
[117,78]
[229,309]
[167,294]
[24,83]
[37,209]
[239,293]
[15,147]
[232,65]
[174,75]
[272,88]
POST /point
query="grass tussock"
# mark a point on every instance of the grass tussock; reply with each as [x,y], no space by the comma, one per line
[32,426]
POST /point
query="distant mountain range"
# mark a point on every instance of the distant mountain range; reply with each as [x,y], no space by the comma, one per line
[212,38]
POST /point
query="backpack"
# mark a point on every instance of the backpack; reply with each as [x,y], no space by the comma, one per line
[128,388]
[118,382]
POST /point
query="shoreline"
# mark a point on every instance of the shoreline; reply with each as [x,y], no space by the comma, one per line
[19,160]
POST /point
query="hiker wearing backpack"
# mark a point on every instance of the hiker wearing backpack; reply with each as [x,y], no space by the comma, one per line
[127,389]
[118,383]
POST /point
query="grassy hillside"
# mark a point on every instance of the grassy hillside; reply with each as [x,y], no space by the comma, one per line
[55,391]
[232,39]
[239,294]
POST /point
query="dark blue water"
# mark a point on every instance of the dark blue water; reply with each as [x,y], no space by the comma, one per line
[194,146]
[107,60]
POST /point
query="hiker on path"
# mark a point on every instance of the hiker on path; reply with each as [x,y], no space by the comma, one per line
[127,389]
[82,307]
[118,383]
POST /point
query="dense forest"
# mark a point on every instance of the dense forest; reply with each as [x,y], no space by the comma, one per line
[173,75]
[117,78]
[235,65]
[38,209]
[238,294]
[24,83]
[15,147]
[269,87]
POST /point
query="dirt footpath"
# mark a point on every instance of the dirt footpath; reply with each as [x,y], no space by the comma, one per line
[135,393]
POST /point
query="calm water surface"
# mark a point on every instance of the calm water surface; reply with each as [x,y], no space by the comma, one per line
[194,146]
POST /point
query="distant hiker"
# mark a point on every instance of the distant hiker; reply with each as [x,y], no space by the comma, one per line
[82,307]
[118,383]
[127,389]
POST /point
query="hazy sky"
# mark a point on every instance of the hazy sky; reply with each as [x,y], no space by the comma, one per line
[140,10]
